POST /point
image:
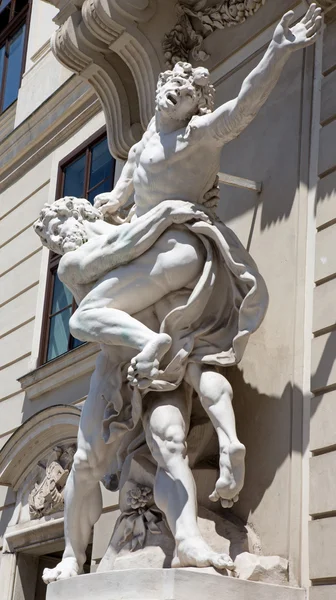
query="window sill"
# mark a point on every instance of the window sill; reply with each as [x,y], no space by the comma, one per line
[59,371]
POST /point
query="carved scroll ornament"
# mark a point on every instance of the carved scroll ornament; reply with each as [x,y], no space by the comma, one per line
[196,21]
[47,496]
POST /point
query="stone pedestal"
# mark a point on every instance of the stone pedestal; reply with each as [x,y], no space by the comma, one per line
[167,584]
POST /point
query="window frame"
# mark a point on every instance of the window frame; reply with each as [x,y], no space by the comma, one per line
[15,23]
[55,258]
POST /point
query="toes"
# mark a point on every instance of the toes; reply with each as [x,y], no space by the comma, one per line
[223,561]
[214,496]
[226,503]
[236,498]
[50,575]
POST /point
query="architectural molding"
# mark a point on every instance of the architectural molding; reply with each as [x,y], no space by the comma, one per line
[53,426]
[45,129]
[63,369]
[87,42]
[196,20]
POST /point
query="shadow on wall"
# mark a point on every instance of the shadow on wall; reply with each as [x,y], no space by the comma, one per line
[258,417]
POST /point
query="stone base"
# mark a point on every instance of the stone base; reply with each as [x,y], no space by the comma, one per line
[166,584]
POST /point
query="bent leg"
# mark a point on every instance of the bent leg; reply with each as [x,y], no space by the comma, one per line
[166,422]
[104,315]
[215,394]
[82,497]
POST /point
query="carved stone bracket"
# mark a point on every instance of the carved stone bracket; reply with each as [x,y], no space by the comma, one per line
[195,21]
[100,41]
[47,496]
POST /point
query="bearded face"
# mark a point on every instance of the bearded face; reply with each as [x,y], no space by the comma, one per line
[65,234]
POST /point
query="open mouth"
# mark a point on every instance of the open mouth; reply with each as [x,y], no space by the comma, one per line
[171,98]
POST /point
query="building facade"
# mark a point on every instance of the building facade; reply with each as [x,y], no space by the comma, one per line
[69,114]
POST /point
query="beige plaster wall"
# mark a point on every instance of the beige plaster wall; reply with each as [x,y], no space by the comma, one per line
[267,396]
[322,527]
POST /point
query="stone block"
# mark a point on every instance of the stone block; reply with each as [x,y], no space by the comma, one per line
[18,249]
[21,277]
[26,186]
[323,483]
[323,361]
[327,153]
[328,97]
[166,584]
[269,569]
[323,421]
[322,548]
[322,592]
[326,199]
[329,47]
[325,257]
[324,314]
[18,311]
[16,344]
[23,215]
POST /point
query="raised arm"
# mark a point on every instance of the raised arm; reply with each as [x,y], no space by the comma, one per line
[230,119]
[110,202]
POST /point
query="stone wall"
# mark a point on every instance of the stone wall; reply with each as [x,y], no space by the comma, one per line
[323,414]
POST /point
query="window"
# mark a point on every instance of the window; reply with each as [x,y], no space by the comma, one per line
[14,18]
[84,174]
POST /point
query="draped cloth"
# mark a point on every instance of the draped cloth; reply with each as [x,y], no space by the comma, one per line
[212,327]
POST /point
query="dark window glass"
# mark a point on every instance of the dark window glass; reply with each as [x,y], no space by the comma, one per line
[100,164]
[14,66]
[87,174]
[62,298]
[74,175]
[2,57]
[4,4]
[59,334]
[14,16]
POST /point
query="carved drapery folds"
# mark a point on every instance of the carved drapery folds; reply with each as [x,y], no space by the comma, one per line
[101,42]
[47,496]
[196,20]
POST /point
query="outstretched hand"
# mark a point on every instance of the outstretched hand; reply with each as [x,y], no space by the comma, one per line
[300,35]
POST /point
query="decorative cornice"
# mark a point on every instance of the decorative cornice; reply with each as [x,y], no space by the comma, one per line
[195,21]
[30,442]
[87,43]
[55,121]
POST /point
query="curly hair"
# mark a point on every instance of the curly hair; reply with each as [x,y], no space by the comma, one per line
[66,207]
[198,77]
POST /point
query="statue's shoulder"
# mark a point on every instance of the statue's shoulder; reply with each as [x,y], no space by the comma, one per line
[197,128]
[67,263]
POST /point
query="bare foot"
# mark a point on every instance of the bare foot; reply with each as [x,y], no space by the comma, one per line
[194,552]
[145,366]
[232,473]
[68,567]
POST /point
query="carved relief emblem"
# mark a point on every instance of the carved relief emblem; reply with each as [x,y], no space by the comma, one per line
[196,20]
[47,496]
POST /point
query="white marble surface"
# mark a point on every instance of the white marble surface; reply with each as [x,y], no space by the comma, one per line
[172,296]
[166,584]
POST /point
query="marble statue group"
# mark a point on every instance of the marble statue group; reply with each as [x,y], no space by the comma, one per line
[171,296]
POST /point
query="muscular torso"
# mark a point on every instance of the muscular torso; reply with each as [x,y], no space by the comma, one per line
[173,166]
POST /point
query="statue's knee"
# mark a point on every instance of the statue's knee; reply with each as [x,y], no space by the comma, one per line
[167,444]
[213,387]
[87,467]
[77,325]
